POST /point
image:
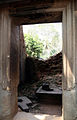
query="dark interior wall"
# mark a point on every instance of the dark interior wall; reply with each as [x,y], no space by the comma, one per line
[14,53]
[9,65]
[14,66]
[5,95]
[22,56]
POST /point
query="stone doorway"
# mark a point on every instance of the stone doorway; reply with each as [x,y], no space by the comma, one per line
[42,103]
[9,62]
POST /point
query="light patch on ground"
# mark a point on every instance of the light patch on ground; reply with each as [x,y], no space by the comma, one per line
[29,116]
[41,117]
[47,117]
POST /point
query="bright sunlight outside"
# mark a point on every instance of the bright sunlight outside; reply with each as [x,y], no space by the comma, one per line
[43,40]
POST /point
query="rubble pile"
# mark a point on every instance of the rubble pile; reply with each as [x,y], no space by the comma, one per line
[51,66]
[39,72]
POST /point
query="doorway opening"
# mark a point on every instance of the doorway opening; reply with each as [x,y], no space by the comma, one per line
[43,71]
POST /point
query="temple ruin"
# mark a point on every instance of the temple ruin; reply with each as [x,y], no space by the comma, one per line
[13,14]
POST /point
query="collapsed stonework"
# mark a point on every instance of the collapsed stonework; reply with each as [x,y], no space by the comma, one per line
[36,69]
[18,12]
[39,72]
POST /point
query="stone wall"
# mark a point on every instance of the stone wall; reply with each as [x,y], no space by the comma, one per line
[9,54]
[22,56]
[9,65]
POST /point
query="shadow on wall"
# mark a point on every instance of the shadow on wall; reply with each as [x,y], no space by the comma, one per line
[30,71]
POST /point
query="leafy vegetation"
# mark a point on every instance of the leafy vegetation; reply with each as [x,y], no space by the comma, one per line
[43,40]
[34,47]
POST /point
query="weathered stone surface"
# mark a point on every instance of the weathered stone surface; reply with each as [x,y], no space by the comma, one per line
[23,106]
[22,56]
[55,91]
[70,104]
[8,106]
[9,57]
[5,105]
[53,97]
[70,62]
[9,65]
[25,100]
[23,103]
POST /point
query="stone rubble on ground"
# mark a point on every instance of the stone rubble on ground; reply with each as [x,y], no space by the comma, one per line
[24,103]
[25,99]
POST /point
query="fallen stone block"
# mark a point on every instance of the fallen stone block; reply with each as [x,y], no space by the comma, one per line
[25,100]
[23,106]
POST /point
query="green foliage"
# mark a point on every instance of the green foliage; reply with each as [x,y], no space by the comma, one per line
[34,47]
[43,40]
[53,51]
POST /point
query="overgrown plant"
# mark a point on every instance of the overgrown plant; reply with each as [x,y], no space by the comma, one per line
[34,46]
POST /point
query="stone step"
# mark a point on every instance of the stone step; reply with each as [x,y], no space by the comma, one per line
[52,97]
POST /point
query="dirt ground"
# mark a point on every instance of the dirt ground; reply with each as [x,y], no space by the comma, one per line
[44,112]
[29,116]
[47,112]
[48,109]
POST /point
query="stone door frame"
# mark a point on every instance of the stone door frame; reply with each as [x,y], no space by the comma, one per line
[9,62]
